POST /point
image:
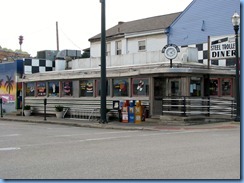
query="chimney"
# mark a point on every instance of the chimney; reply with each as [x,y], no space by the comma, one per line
[120,22]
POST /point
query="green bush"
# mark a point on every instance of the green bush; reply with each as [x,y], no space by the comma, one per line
[27,107]
[59,108]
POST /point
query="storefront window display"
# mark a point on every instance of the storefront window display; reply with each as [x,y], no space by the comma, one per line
[41,88]
[53,88]
[214,87]
[140,87]
[30,89]
[226,87]
[120,87]
[86,88]
[99,87]
[67,88]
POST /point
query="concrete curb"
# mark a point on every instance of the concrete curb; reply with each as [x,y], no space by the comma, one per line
[118,125]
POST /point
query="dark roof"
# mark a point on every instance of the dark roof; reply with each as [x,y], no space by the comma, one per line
[142,25]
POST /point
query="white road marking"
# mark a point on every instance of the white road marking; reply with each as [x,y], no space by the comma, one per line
[10,135]
[104,133]
[9,148]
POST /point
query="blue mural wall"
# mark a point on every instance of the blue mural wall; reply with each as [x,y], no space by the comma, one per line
[203,18]
[10,90]
[8,85]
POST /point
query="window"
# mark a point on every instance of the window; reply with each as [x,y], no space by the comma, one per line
[99,87]
[41,88]
[140,87]
[67,88]
[195,87]
[231,62]
[30,89]
[108,49]
[118,47]
[86,88]
[226,87]
[53,88]
[214,87]
[120,87]
[141,45]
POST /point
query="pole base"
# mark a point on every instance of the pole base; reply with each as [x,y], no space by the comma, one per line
[237,119]
[103,121]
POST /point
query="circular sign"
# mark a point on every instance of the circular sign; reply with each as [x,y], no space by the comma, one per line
[170,52]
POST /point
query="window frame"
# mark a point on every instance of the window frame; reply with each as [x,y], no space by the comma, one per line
[62,88]
[118,47]
[80,89]
[126,84]
[34,92]
[218,87]
[139,46]
[98,88]
[108,49]
[45,89]
[56,87]
[231,86]
[146,87]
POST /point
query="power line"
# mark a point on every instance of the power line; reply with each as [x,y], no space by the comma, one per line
[70,40]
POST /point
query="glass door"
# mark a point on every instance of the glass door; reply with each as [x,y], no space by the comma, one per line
[174,87]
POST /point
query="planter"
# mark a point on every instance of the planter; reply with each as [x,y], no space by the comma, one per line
[59,114]
[27,112]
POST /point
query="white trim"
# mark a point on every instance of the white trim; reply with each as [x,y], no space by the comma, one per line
[147,33]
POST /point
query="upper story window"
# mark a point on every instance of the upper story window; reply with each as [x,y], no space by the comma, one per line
[108,49]
[118,47]
[142,45]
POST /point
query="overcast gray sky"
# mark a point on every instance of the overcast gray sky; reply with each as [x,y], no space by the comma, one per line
[78,20]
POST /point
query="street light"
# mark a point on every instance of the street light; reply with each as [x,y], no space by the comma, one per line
[236,23]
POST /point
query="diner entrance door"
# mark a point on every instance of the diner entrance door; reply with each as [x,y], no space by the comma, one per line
[174,92]
[174,87]
[159,91]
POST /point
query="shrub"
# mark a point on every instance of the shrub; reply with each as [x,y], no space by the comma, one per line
[59,108]
[27,107]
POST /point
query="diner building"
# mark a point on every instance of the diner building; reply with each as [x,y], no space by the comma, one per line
[137,64]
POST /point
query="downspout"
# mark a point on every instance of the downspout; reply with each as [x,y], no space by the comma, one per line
[167,32]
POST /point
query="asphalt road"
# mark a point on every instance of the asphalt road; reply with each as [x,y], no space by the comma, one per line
[48,151]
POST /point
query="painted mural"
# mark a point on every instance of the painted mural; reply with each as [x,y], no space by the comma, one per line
[7,82]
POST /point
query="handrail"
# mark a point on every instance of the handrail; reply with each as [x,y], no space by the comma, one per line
[188,106]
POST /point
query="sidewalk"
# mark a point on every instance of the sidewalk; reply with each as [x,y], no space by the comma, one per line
[152,126]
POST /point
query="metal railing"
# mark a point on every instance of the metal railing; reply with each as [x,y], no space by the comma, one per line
[85,113]
[189,106]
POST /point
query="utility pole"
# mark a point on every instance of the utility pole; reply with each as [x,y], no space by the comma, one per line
[57,36]
[103,63]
